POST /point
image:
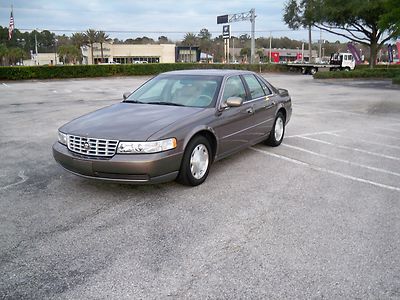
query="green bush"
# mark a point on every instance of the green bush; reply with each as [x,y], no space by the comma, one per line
[394,66]
[81,71]
[360,73]
[396,80]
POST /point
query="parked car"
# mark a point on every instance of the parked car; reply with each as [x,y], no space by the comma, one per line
[175,126]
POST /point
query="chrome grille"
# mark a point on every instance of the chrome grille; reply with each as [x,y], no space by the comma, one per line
[90,146]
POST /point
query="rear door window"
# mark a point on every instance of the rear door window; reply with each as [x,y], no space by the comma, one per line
[256,90]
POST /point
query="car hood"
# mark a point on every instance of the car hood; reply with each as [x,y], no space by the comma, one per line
[127,121]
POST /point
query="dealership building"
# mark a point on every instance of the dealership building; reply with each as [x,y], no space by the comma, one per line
[288,55]
[129,53]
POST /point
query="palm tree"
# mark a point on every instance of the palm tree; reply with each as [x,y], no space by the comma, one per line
[102,37]
[78,40]
[91,36]
[205,41]
[190,40]
[69,53]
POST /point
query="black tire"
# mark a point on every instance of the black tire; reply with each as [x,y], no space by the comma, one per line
[185,174]
[313,71]
[272,140]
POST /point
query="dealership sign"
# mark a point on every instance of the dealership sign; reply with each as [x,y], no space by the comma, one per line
[226,31]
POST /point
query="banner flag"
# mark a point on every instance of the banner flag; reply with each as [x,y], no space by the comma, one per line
[355,53]
[390,53]
[398,48]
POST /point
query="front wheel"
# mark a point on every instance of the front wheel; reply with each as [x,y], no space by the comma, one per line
[278,131]
[196,162]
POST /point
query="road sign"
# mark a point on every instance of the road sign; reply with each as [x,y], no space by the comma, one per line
[226,31]
[222,19]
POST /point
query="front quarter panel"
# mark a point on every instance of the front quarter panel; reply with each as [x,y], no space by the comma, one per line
[186,129]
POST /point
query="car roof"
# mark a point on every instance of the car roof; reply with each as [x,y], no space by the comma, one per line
[208,72]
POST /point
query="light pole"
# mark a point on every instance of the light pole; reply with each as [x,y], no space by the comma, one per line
[22,43]
[55,51]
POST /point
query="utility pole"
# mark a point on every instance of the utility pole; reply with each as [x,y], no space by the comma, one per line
[309,43]
[320,45]
[36,51]
[233,52]
[253,29]
[55,52]
[270,46]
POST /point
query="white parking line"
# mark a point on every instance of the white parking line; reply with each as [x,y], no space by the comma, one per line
[312,113]
[389,129]
[378,134]
[313,133]
[350,148]
[355,113]
[389,187]
[20,175]
[6,85]
[342,160]
[361,140]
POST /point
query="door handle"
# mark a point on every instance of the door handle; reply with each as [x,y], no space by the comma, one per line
[268,102]
[250,110]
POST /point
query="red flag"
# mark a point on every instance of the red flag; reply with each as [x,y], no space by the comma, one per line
[398,48]
[11,26]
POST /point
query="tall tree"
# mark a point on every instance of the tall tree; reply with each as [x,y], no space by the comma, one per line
[78,39]
[91,36]
[163,40]
[357,20]
[391,18]
[69,53]
[3,54]
[102,37]
[190,40]
[205,41]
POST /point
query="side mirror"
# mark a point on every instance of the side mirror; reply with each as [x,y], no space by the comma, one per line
[234,101]
[126,95]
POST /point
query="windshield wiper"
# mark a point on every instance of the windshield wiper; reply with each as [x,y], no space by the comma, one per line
[166,103]
[133,101]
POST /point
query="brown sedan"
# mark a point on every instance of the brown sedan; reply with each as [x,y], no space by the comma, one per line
[174,126]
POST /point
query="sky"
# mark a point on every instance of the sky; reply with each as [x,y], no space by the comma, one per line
[131,19]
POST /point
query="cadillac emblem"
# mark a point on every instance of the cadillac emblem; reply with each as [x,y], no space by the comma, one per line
[86,146]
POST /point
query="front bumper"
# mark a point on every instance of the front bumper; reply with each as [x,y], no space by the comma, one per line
[122,168]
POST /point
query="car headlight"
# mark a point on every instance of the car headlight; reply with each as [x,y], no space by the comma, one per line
[62,138]
[146,147]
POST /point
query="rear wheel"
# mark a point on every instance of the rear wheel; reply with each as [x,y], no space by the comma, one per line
[313,71]
[196,162]
[278,131]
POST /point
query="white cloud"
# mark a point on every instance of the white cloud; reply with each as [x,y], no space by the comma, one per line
[151,18]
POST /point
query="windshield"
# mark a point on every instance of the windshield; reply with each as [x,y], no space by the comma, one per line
[178,90]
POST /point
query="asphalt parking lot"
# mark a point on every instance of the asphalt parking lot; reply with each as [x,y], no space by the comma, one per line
[317,217]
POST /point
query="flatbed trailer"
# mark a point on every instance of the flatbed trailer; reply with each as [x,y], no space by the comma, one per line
[314,68]
[338,62]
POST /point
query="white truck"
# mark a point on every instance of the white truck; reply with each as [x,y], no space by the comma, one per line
[338,62]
